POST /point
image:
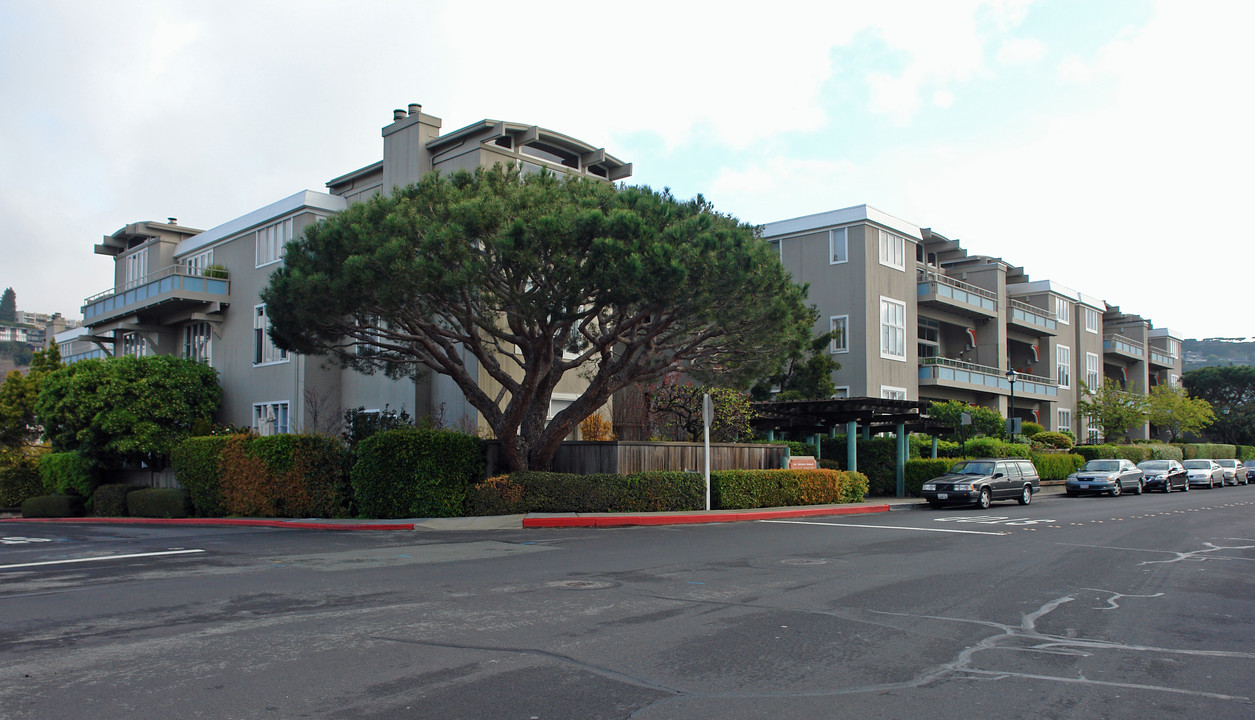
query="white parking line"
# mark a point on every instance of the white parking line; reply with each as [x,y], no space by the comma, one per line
[102,557]
[885,527]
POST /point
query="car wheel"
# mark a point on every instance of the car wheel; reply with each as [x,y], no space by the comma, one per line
[1138,490]
[1187,486]
[1026,495]
[1116,489]
[985,499]
[1167,486]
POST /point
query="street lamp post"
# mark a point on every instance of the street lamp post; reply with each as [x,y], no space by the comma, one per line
[1011,376]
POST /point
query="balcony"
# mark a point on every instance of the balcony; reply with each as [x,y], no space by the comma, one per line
[175,287]
[1032,318]
[1121,346]
[1162,359]
[958,297]
[945,372]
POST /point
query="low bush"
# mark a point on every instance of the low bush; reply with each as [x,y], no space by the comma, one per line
[1056,466]
[1246,452]
[993,447]
[920,470]
[284,476]
[19,476]
[1164,451]
[1193,451]
[1053,439]
[414,473]
[1030,429]
[66,473]
[197,464]
[159,503]
[743,489]
[53,506]
[1136,453]
[800,448]
[109,500]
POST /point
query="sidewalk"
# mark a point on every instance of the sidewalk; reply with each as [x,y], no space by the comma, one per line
[534,520]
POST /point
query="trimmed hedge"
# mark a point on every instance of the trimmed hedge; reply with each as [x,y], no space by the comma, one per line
[993,447]
[1053,439]
[19,477]
[159,503]
[1136,453]
[284,476]
[415,473]
[109,500]
[920,470]
[1246,452]
[197,464]
[1056,466]
[65,473]
[744,489]
[1207,451]
[53,506]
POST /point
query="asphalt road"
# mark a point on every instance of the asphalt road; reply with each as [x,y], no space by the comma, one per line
[1130,607]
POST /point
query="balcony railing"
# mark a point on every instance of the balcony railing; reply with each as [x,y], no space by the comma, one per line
[175,282]
[946,371]
[934,283]
[1163,359]
[1032,315]
[1120,344]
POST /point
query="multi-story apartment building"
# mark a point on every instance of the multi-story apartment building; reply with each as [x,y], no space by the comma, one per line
[878,280]
[194,293]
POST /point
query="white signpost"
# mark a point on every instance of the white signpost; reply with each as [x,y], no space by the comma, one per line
[708,414]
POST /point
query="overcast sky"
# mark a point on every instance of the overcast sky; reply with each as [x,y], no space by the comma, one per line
[1106,146]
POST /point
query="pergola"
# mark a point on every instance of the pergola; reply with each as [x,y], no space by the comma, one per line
[861,416]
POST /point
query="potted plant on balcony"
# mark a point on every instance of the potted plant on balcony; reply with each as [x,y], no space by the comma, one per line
[215,271]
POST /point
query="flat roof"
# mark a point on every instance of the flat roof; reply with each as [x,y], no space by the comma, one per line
[303,199]
[844,216]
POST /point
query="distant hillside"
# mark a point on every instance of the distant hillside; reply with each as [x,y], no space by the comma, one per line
[1218,351]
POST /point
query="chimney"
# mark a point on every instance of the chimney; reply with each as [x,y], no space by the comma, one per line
[415,108]
[173,221]
[398,115]
[405,154]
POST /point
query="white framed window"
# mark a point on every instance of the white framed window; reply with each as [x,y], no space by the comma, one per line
[1174,381]
[1063,311]
[1091,432]
[197,263]
[1091,320]
[1063,364]
[888,392]
[265,352]
[1174,348]
[1063,420]
[892,250]
[135,268]
[198,342]
[271,418]
[1093,371]
[134,345]
[892,329]
[838,246]
[840,327]
[271,240]
[843,391]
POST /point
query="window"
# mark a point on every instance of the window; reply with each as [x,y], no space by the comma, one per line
[264,349]
[1174,348]
[270,241]
[197,339]
[270,418]
[197,263]
[1063,420]
[892,250]
[134,345]
[1063,361]
[892,329]
[838,246]
[136,268]
[842,392]
[1093,371]
[892,393]
[1174,381]
[1063,311]
[928,336]
[1091,320]
[840,326]
[365,348]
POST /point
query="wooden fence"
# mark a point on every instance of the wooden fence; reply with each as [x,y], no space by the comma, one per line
[626,457]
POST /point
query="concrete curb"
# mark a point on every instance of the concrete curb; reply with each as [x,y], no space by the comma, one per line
[713,516]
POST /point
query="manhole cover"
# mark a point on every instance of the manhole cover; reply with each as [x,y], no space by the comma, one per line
[581,584]
[803,561]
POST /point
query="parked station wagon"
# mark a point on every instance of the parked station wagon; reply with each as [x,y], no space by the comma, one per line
[982,481]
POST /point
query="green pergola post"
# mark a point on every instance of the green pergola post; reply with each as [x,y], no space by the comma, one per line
[818,452]
[771,435]
[867,432]
[851,446]
[900,469]
[934,455]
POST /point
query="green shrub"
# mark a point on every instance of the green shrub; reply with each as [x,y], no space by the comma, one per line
[109,500]
[1029,429]
[197,464]
[1213,451]
[1163,451]
[744,489]
[1246,452]
[19,476]
[1056,466]
[415,473]
[159,503]
[800,448]
[66,473]
[53,506]
[284,476]
[993,447]
[1054,439]
[920,470]
[1136,453]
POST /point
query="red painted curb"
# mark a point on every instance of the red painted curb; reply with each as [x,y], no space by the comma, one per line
[219,522]
[693,519]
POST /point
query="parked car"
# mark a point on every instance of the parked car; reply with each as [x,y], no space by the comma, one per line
[1105,476]
[1234,472]
[1204,473]
[1166,475]
[1250,469]
[982,481]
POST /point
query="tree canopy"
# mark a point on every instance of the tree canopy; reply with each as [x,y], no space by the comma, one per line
[679,407]
[18,396]
[126,409]
[803,376]
[8,305]
[985,421]
[1231,393]
[1113,409]
[528,277]
[1175,411]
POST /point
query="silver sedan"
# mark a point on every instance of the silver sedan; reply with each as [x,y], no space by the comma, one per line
[1204,473]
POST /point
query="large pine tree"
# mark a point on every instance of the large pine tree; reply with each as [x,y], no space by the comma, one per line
[8,306]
